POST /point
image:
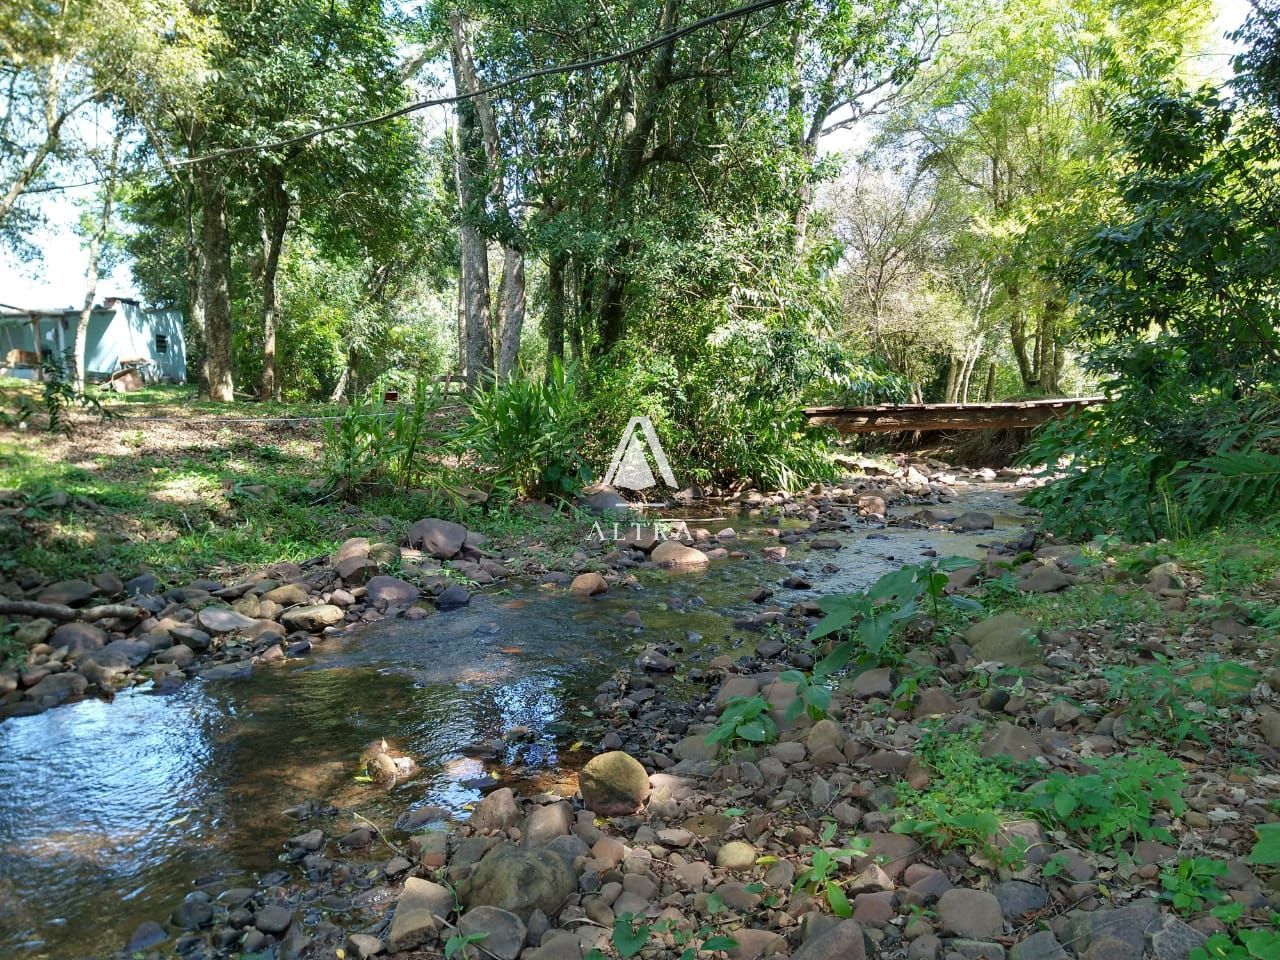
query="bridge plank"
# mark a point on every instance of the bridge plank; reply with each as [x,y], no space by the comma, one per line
[888,418]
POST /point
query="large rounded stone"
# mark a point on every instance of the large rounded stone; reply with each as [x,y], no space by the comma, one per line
[503,931]
[442,539]
[520,880]
[613,784]
[312,617]
[673,553]
[393,590]
[222,620]
[589,585]
[843,941]
[78,637]
[1007,638]
[974,914]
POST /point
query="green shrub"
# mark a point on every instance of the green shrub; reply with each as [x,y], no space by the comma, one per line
[1155,698]
[966,800]
[529,434]
[1116,802]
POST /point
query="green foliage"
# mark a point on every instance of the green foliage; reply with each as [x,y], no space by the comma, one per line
[58,397]
[1116,802]
[824,863]
[1266,852]
[864,622]
[746,719]
[379,445]
[529,433]
[1259,943]
[967,798]
[458,943]
[1191,885]
[1157,698]
[631,934]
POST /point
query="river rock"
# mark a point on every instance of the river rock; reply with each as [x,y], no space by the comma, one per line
[497,811]
[521,880]
[973,521]
[287,595]
[33,632]
[392,590]
[442,539]
[973,914]
[78,637]
[841,941]
[362,946]
[413,923]
[57,688]
[1172,939]
[1017,897]
[605,501]
[148,934]
[672,553]
[69,593]
[1006,638]
[504,932]
[273,919]
[1010,740]
[452,597]
[736,855]
[545,823]
[613,784]
[222,620]
[1046,579]
[589,585]
[1039,946]
[313,617]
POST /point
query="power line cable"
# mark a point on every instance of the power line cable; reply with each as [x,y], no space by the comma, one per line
[493,88]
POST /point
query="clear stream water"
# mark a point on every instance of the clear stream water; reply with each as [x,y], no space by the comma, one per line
[110,811]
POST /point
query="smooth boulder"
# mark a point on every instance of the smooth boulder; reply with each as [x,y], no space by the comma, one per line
[519,880]
[613,784]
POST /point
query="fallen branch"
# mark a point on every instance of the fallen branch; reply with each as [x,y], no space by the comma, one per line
[56,611]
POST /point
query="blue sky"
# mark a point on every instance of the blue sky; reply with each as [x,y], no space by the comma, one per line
[56,277]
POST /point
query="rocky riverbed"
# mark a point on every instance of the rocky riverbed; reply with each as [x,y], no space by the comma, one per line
[638,837]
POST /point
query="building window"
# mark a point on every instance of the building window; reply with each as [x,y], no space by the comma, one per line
[162,343]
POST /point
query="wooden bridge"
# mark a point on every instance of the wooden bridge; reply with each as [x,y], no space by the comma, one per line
[888,418]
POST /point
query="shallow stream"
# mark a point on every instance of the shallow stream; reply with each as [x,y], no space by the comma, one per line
[109,811]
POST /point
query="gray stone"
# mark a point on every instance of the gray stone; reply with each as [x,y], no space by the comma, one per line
[1038,946]
[234,670]
[504,932]
[33,632]
[452,597]
[313,617]
[736,855]
[971,914]
[1017,897]
[149,934]
[973,521]
[70,593]
[222,620]
[1006,638]
[442,539]
[362,946]
[545,823]
[57,688]
[497,811]
[78,637]
[1172,939]
[273,919]
[1010,740]
[843,941]
[521,880]
[413,923]
[975,949]
[1046,579]
[392,590]
[872,683]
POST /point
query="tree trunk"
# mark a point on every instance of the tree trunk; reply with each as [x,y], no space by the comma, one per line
[989,393]
[471,242]
[555,306]
[953,379]
[344,381]
[215,286]
[91,271]
[275,222]
[1018,336]
[513,305]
